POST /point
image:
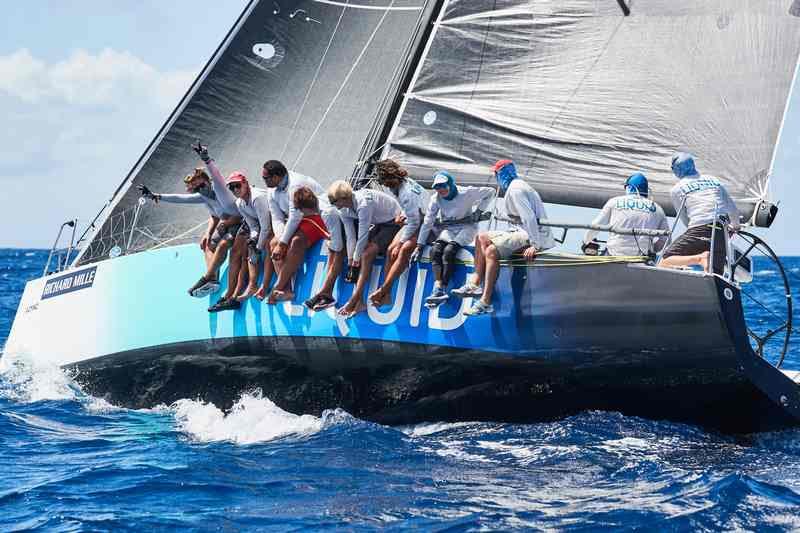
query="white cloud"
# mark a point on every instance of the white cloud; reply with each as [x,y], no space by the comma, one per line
[110,78]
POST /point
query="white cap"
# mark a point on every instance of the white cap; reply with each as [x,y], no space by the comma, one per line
[439,179]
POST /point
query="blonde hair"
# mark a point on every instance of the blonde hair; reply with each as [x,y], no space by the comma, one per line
[199,172]
[340,190]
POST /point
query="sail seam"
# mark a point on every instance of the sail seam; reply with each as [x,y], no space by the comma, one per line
[341,87]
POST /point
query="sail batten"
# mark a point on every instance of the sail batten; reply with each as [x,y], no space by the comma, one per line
[581,95]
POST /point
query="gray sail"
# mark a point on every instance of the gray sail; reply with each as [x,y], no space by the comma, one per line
[309,82]
[581,95]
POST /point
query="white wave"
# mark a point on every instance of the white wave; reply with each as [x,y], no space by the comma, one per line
[24,380]
[430,428]
[765,272]
[253,418]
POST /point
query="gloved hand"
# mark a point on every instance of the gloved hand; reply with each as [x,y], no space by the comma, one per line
[476,215]
[590,248]
[202,151]
[253,253]
[147,193]
[416,254]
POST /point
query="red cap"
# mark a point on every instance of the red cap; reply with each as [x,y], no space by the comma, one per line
[500,164]
[236,177]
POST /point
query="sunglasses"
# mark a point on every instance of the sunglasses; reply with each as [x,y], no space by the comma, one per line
[234,186]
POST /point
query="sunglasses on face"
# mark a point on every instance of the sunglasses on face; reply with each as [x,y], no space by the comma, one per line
[234,186]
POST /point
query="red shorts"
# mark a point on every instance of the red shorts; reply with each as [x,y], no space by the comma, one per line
[313,228]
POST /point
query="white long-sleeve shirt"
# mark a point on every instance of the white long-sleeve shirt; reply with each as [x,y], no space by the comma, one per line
[412,199]
[524,207]
[211,203]
[369,207]
[285,217]
[255,211]
[461,206]
[703,195]
[223,195]
[631,211]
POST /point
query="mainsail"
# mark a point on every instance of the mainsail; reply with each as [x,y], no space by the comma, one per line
[583,93]
[309,82]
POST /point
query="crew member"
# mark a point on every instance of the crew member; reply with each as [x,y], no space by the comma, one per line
[251,239]
[375,212]
[524,209]
[633,211]
[292,239]
[696,199]
[223,223]
[452,219]
[412,199]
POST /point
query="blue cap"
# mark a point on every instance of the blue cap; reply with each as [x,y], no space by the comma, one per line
[637,184]
[683,165]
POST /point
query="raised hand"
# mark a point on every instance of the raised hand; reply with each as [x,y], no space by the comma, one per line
[202,151]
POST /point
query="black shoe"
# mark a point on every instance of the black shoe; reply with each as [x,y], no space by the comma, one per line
[225,305]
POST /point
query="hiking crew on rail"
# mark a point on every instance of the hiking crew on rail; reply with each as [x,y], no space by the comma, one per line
[279,224]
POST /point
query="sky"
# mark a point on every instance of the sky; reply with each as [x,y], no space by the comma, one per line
[85,85]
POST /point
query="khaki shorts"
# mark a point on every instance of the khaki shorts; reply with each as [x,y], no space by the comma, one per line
[508,242]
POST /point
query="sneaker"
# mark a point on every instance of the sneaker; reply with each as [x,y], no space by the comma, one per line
[437,298]
[225,305]
[209,288]
[467,290]
[202,285]
[479,308]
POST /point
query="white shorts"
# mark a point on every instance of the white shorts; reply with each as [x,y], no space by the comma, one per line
[508,242]
[332,220]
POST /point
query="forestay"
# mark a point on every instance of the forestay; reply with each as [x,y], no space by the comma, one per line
[309,82]
[581,95]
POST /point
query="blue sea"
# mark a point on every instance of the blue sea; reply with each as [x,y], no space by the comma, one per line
[71,462]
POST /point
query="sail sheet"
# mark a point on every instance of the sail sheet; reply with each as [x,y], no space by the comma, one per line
[581,95]
[308,82]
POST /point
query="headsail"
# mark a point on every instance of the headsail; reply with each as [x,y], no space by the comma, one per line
[581,95]
[304,81]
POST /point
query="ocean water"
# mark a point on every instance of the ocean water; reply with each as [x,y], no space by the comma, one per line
[71,462]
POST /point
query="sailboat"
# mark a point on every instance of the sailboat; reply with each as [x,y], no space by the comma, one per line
[579,93]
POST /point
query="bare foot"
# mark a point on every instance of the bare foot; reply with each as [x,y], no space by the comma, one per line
[377,298]
[260,294]
[280,296]
[248,292]
[352,308]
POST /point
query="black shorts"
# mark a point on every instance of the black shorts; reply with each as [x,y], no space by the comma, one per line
[383,235]
[228,235]
[697,240]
